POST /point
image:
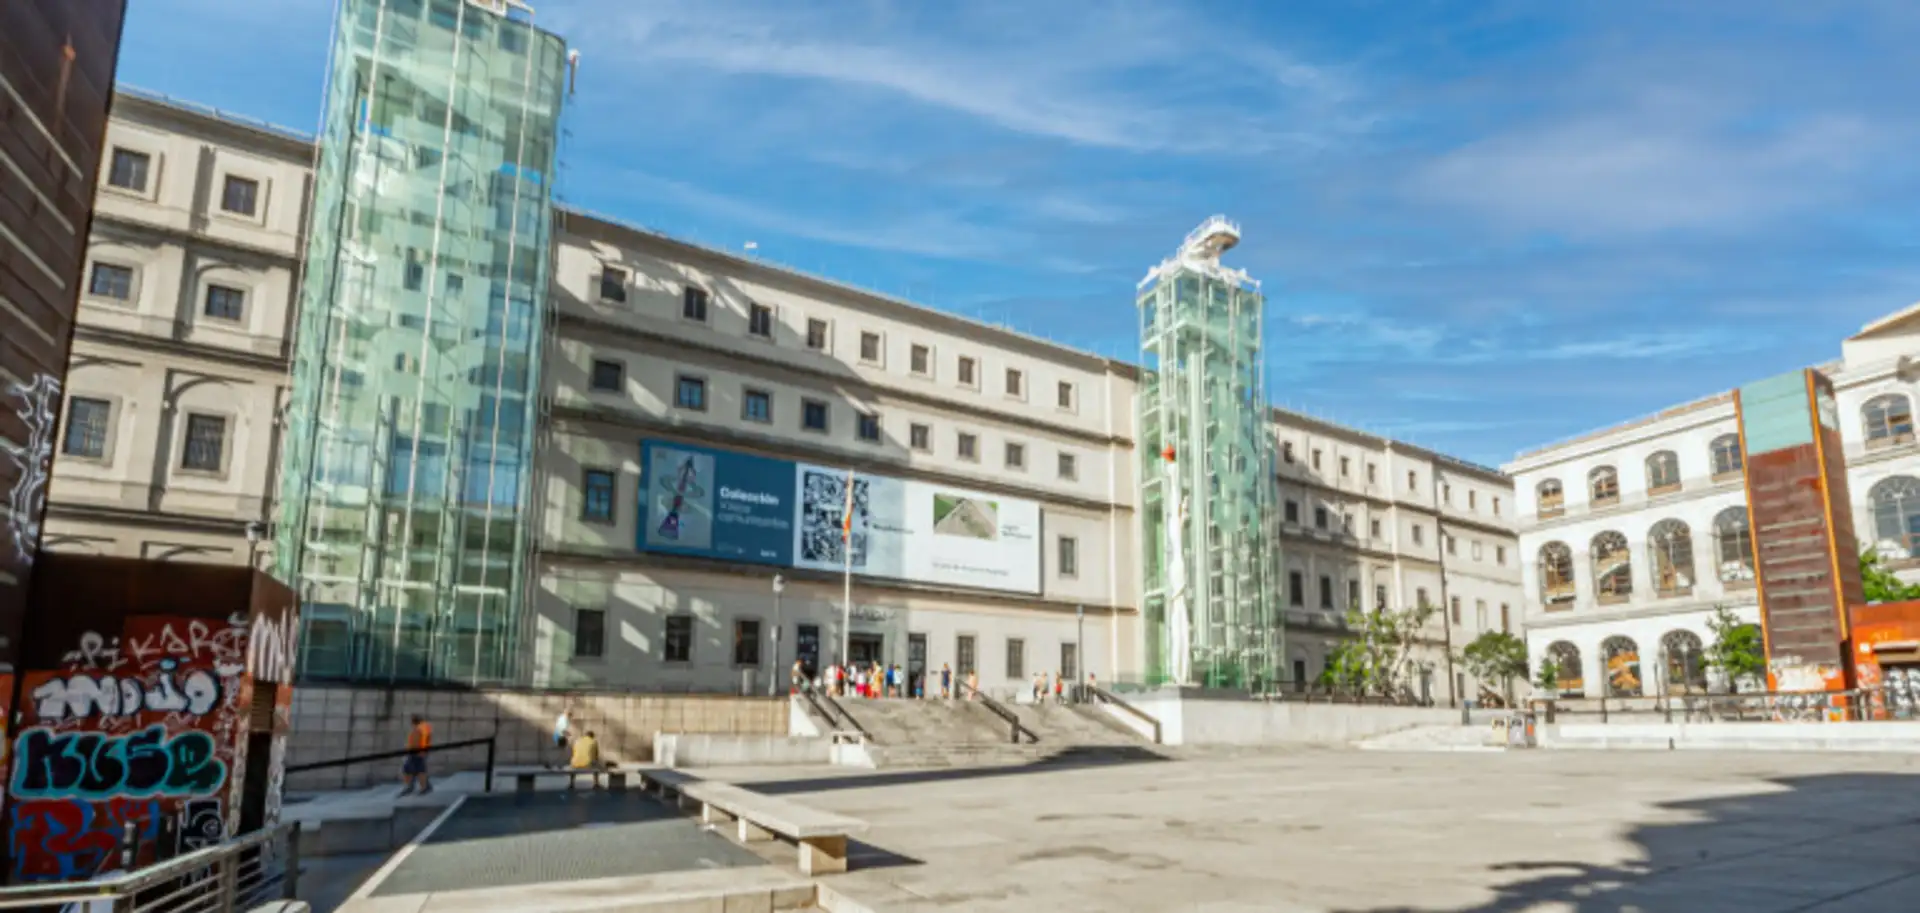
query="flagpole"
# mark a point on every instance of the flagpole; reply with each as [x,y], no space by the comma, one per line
[846,557]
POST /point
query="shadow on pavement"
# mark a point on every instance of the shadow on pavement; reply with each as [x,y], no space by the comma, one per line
[1071,760]
[1841,843]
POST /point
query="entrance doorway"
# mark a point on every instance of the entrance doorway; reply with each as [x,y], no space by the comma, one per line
[1070,663]
[807,648]
[866,649]
[916,659]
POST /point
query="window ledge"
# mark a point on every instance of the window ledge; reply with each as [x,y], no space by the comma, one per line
[1728,476]
[1674,593]
[1662,490]
[1613,598]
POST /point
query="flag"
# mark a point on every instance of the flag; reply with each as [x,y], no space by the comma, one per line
[846,520]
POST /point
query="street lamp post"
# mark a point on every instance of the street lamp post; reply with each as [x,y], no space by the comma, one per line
[1080,650]
[773,679]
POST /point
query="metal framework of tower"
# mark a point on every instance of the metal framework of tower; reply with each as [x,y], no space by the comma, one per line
[1213,614]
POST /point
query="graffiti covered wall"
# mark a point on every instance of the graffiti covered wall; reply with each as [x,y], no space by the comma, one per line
[144,724]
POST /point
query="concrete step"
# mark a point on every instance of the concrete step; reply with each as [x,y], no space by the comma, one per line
[1433,738]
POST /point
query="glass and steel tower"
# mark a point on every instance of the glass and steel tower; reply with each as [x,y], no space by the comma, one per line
[1207,482]
[403,523]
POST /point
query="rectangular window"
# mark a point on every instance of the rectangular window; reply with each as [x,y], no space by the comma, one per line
[1506,618]
[1069,556]
[690,393]
[693,303]
[1500,555]
[920,360]
[206,443]
[1016,658]
[679,638]
[86,428]
[1286,451]
[608,375]
[1446,494]
[1069,468]
[1472,500]
[1496,506]
[760,320]
[1066,395]
[963,655]
[1296,588]
[129,170]
[1326,592]
[589,633]
[1346,524]
[1373,473]
[613,284]
[1454,609]
[1418,536]
[1353,594]
[240,196]
[1320,517]
[869,427]
[965,372]
[596,490]
[1016,456]
[1477,552]
[967,446]
[746,642]
[1420,597]
[920,437]
[1316,459]
[1293,512]
[1379,595]
[110,281]
[1480,614]
[415,276]
[813,415]
[1345,465]
[870,348]
[756,406]
[1015,382]
[816,334]
[1373,528]
[1453,545]
[1413,482]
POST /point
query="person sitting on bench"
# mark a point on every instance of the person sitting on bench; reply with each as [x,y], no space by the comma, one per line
[586,756]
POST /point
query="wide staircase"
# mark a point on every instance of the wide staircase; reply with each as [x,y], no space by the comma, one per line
[902,733]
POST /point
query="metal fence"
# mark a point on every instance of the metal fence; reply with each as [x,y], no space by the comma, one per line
[1857,705]
[232,877]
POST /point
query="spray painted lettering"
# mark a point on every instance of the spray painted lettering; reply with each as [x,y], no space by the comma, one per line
[38,409]
[83,695]
[93,766]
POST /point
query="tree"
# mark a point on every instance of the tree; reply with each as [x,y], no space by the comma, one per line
[1496,656]
[1880,583]
[1546,679]
[1377,656]
[1737,650]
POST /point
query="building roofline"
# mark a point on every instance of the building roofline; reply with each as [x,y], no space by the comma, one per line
[922,311]
[1384,442]
[163,101]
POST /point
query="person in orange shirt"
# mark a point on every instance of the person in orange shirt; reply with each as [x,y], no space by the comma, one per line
[413,771]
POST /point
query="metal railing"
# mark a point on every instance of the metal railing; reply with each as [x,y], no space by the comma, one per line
[1103,696]
[1855,705]
[824,704]
[232,877]
[403,752]
[1015,729]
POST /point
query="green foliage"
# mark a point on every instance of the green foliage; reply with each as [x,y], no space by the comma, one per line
[1376,658]
[1737,649]
[1546,679]
[1496,656]
[1880,583]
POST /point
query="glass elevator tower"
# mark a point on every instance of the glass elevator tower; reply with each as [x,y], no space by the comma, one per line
[410,427]
[1213,615]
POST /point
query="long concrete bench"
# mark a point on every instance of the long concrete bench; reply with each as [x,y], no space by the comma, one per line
[821,836]
[524,777]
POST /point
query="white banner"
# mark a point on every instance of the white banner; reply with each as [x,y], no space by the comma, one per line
[918,531]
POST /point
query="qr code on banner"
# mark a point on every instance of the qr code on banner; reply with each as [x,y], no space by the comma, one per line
[823,498]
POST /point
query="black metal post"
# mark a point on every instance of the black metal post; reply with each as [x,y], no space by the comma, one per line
[490,740]
[290,886]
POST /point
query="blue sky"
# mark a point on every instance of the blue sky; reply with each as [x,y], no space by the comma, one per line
[1481,226]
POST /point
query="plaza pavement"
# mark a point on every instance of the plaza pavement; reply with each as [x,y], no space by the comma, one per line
[1283,830]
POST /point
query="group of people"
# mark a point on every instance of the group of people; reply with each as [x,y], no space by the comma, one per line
[873,680]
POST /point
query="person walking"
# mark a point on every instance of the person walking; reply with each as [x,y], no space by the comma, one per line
[797,678]
[586,757]
[413,770]
[973,684]
[1059,689]
[946,681]
[1039,686]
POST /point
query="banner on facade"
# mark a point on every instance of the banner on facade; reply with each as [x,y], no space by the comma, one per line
[721,504]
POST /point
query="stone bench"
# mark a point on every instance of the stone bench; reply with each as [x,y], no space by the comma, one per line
[524,777]
[821,836]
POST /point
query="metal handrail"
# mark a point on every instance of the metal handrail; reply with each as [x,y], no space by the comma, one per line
[404,752]
[1113,700]
[835,714]
[1853,704]
[1016,728]
[126,887]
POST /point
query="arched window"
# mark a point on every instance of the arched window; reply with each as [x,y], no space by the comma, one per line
[1733,545]
[1686,671]
[1670,555]
[1566,659]
[1727,462]
[1896,514]
[1663,472]
[1603,486]
[1622,656]
[1612,568]
[1889,420]
[1556,575]
[1551,498]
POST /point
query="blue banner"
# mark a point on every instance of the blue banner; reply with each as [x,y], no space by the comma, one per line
[715,504]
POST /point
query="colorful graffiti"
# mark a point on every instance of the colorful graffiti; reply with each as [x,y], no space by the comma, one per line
[143,726]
